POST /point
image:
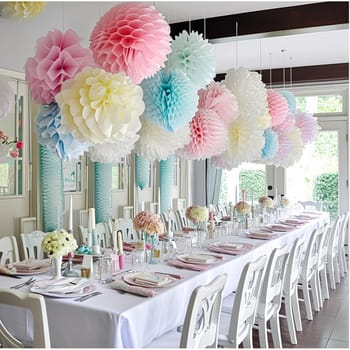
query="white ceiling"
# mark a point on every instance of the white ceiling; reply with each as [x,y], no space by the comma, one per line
[311,48]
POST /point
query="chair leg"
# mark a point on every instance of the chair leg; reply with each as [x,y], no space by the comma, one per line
[263,340]
[336,271]
[276,331]
[319,290]
[307,302]
[296,312]
[314,293]
[324,284]
[248,341]
[290,320]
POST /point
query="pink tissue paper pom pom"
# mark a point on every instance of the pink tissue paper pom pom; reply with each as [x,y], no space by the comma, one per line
[208,136]
[308,126]
[59,57]
[278,107]
[220,99]
[133,38]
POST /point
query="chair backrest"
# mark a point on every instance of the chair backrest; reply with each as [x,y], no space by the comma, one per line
[8,250]
[33,302]
[311,205]
[310,261]
[103,235]
[83,234]
[31,243]
[200,329]
[127,228]
[84,217]
[246,299]
[128,212]
[323,246]
[342,230]
[334,237]
[272,285]
[293,267]
[181,219]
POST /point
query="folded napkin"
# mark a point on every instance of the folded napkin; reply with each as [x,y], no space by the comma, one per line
[128,246]
[282,228]
[296,222]
[229,248]
[261,235]
[145,292]
[31,265]
[193,258]
[63,285]
[151,279]
[184,265]
[4,270]
[188,229]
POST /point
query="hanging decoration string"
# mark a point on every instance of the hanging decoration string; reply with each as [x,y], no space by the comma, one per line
[236,44]
[284,68]
[260,58]
[63,19]
[270,70]
[290,72]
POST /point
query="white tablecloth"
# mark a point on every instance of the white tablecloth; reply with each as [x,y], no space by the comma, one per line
[125,320]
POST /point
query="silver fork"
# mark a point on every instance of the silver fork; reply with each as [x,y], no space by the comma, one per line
[88,296]
[26,283]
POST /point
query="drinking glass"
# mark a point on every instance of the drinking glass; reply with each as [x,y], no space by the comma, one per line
[106,270]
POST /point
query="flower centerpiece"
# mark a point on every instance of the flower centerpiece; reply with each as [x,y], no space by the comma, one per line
[56,244]
[243,208]
[284,202]
[266,202]
[197,214]
[9,147]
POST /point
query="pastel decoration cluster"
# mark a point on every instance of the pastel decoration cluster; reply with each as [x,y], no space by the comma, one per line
[208,136]
[58,57]
[291,100]
[266,202]
[111,152]
[148,222]
[278,107]
[59,243]
[218,98]
[157,143]
[170,99]
[243,208]
[99,107]
[194,56]
[21,9]
[49,131]
[197,213]
[308,126]
[271,144]
[133,38]
[7,97]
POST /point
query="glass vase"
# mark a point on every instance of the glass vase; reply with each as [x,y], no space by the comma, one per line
[56,264]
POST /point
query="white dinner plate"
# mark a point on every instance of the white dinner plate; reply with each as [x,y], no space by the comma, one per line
[38,288]
[165,280]
[33,272]
[199,259]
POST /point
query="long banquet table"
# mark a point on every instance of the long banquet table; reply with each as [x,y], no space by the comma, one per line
[114,320]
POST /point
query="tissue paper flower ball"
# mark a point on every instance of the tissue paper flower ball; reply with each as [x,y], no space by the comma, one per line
[243,208]
[220,99]
[111,152]
[289,96]
[208,136]
[156,143]
[100,107]
[245,141]
[271,144]
[22,9]
[49,131]
[59,57]
[249,90]
[308,126]
[7,97]
[170,99]
[278,107]
[133,38]
[194,56]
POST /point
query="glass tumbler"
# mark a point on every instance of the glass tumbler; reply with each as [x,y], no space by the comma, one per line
[106,269]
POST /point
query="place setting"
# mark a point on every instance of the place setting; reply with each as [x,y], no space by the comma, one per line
[25,268]
[231,248]
[195,261]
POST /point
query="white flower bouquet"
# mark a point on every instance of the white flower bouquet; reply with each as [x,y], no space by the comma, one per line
[58,243]
[266,202]
[197,213]
[243,208]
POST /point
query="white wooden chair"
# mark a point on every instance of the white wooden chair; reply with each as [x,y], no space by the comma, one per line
[31,243]
[8,250]
[102,232]
[200,328]
[332,263]
[36,304]
[344,228]
[238,310]
[271,296]
[181,220]
[311,205]
[290,290]
[308,275]
[127,228]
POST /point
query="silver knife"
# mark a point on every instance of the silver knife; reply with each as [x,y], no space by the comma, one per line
[86,297]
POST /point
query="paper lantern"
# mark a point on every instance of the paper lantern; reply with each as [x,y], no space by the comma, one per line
[166,181]
[170,99]
[308,126]
[249,90]
[278,107]
[156,143]
[271,144]
[7,97]
[289,96]
[208,136]
[142,167]
[133,38]
[103,191]
[100,107]
[58,57]
[21,9]
[219,98]
[194,56]
[111,152]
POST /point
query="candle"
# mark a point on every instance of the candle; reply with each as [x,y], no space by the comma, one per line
[115,240]
[70,215]
[243,195]
[92,223]
[236,194]
[120,242]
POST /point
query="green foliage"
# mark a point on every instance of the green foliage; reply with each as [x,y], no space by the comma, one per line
[327,144]
[326,192]
[253,181]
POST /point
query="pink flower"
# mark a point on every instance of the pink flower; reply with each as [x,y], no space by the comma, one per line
[148,222]
[19,144]
[14,153]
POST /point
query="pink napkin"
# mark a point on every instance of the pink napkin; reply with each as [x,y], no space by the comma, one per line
[6,271]
[297,221]
[223,250]
[145,292]
[183,265]
[128,247]
[282,228]
[261,235]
